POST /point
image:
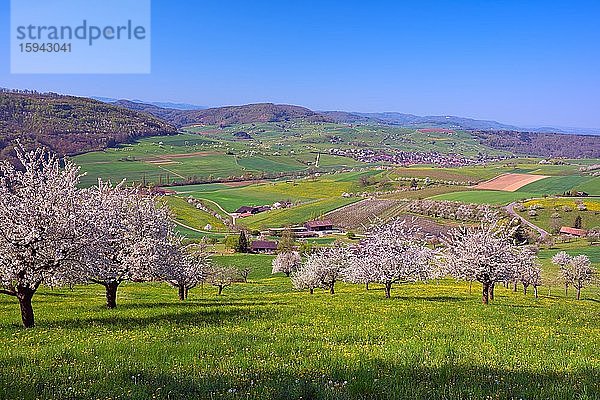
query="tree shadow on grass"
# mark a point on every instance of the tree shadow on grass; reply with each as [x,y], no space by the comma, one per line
[592,300]
[512,305]
[372,379]
[43,294]
[198,303]
[116,319]
[442,299]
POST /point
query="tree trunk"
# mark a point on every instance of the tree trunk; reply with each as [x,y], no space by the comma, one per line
[485,297]
[332,288]
[181,292]
[525,289]
[186,292]
[220,290]
[388,289]
[578,293]
[312,290]
[514,286]
[111,294]
[535,292]
[491,290]
[25,294]
[367,285]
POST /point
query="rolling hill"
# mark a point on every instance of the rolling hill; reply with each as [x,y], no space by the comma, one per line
[70,125]
[230,115]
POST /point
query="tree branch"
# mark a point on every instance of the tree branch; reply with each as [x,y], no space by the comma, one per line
[8,292]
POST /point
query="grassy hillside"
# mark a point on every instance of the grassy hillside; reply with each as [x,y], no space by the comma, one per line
[164,159]
[262,340]
[560,184]
[268,193]
[190,216]
[295,215]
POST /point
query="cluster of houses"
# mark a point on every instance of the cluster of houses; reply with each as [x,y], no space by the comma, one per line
[406,157]
[310,229]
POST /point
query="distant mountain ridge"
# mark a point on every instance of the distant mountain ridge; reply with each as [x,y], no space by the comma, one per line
[162,104]
[269,112]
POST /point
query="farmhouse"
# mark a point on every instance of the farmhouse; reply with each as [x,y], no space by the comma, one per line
[298,231]
[565,230]
[263,246]
[316,226]
[248,209]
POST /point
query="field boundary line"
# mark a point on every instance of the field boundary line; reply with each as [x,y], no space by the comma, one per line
[216,204]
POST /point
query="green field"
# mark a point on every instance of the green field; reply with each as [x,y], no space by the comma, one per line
[190,156]
[484,196]
[560,184]
[461,174]
[262,340]
[190,216]
[295,215]
[208,153]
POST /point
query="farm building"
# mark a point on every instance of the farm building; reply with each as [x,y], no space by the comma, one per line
[565,230]
[263,246]
[298,231]
[315,226]
[252,209]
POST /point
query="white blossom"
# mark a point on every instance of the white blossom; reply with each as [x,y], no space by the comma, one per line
[392,253]
[576,271]
[44,225]
[323,268]
[286,262]
[130,229]
[183,266]
[485,254]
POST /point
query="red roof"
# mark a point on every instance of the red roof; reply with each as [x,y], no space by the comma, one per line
[263,245]
[319,224]
[573,231]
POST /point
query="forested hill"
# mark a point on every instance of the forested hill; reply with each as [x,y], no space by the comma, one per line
[70,125]
[230,115]
[541,144]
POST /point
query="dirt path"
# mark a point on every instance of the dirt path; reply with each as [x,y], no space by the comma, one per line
[511,210]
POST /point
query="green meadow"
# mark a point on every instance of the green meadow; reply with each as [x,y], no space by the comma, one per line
[262,340]
[560,184]
[297,191]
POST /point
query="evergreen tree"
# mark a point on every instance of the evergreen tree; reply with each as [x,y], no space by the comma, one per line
[577,223]
[243,246]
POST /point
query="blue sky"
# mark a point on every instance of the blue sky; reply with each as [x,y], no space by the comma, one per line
[522,62]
